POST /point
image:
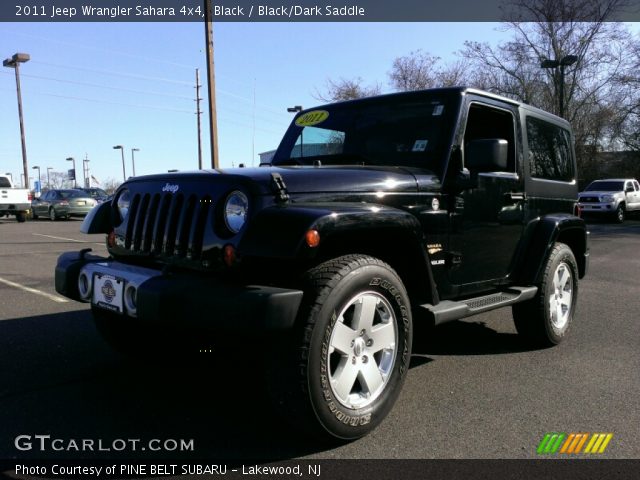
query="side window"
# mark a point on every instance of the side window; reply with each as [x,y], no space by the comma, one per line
[628,185]
[549,151]
[635,184]
[485,122]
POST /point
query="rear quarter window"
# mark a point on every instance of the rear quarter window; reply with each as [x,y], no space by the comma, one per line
[549,151]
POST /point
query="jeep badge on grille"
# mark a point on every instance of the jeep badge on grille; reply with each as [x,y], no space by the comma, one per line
[170,188]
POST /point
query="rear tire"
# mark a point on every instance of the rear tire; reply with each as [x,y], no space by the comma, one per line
[544,320]
[21,217]
[344,368]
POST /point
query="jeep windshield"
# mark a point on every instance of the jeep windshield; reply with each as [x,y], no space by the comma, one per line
[385,131]
[605,186]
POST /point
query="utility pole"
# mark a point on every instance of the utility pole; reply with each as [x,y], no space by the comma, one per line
[199,114]
[211,81]
[14,62]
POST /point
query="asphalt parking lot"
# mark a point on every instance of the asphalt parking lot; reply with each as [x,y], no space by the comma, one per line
[473,390]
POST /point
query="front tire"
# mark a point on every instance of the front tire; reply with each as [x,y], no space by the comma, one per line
[544,320]
[620,214]
[52,215]
[355,333]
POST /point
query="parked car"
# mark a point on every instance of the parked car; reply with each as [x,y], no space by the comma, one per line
[13,201]
[373,215]
[57,204]
[97,194]
[613,197]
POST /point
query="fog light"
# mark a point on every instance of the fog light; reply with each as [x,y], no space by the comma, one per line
[84,286]
[131,299]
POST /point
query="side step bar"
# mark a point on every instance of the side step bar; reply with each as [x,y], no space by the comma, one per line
[448,310]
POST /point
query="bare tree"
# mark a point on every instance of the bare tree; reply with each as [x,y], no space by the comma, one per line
[415,71]
[346,89]
[110,185]
[58,180]
[561,28]
[420,70]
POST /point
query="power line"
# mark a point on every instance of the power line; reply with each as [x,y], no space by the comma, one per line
[115,74]
[95,100]
[85,84]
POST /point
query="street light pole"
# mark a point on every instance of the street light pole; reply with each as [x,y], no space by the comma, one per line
[39,175]
[75,183]
[133,160]
[85,171]
[561,64]
[121,148]
[48,178]
[14,62]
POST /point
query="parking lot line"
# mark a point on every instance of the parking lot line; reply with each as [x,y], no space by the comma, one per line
[55,298]
[66,239]
[60,238]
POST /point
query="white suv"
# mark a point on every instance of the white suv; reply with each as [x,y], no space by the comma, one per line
[612,196]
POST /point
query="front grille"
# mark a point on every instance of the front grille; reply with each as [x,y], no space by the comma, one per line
[590,199]
[167,224]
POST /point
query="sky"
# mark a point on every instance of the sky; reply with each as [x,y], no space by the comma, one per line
[91,86]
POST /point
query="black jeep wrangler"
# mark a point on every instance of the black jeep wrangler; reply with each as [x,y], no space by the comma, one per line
[373,215]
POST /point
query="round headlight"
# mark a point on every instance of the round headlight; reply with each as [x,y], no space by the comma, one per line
[122,204]
[235,211]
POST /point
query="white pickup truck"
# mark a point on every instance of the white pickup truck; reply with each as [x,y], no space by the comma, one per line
[14,201]
[614,197]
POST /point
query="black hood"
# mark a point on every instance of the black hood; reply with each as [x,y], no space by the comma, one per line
[300,179]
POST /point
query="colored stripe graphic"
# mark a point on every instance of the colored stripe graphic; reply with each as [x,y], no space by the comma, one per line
[598,442]
[550,443]
[573,443]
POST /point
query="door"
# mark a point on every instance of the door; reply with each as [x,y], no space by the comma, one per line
[41,207]
[631,195]
[488,216]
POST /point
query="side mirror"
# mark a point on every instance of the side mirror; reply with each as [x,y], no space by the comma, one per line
[486,154]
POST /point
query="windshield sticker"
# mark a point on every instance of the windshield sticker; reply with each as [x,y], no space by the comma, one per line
[312,118]
[419,146]
[438,110]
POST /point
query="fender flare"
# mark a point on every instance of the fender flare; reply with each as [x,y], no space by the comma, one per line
[538,239]
[98,220]
[278,232]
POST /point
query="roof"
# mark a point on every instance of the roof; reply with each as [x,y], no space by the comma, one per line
[450,91]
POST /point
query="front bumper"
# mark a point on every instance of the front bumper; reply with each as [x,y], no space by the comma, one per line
[187,299]
[602,207]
